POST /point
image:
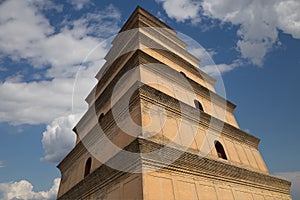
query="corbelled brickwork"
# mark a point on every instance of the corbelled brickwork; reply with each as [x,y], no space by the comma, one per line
[185,141]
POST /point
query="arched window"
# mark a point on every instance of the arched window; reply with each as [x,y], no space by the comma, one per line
[183,74]
[198,105]
[88,166]
[220,150]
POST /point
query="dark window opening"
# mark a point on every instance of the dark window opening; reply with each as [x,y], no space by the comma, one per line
[198,105]
[182,74]
[88,166]
[101,117]
[220,150]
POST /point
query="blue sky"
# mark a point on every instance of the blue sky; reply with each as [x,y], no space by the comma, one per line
[255,45]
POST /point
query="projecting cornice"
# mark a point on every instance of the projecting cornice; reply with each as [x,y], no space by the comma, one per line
[187,164]
[191,164]
[152,95]
[139,57]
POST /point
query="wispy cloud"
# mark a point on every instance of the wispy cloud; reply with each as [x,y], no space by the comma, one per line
[205,56]
[79,4]
[2,164]
[219,69]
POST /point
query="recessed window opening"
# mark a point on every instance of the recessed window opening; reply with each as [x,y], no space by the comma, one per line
[220,150]
[88,165]
[198,105]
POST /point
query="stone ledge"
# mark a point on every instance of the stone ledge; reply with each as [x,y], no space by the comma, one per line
[153,95]
[187,164]
[149,94]
[192,164]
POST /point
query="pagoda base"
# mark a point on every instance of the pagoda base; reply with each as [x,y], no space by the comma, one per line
[189,177]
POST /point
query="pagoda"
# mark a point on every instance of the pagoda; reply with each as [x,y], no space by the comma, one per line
[156,129]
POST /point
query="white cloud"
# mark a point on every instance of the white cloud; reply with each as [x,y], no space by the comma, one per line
[201,53]
[46,102]
[294,178]
[207,64]
[14,78]
[35,102]
[43,101]
[24,190]
[59,138]
[219,69]
[204,55]
[257,21]
[254,51]
[21,26]
[97,24]
[289,17]
[215,70]
[47,5]
[182,10]
[26,34]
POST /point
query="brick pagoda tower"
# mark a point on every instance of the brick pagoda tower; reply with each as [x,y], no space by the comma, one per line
[156,129]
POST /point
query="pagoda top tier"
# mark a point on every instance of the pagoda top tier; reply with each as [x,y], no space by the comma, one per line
[141,18]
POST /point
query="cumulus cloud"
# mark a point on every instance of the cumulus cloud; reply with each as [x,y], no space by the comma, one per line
[26,34]
[289,17]
[24,190]
[67,56]
[20,25]
[258,28]
[182,10]
[258,22]
[43,101]
[59,138]
[294,178]
[35,102]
